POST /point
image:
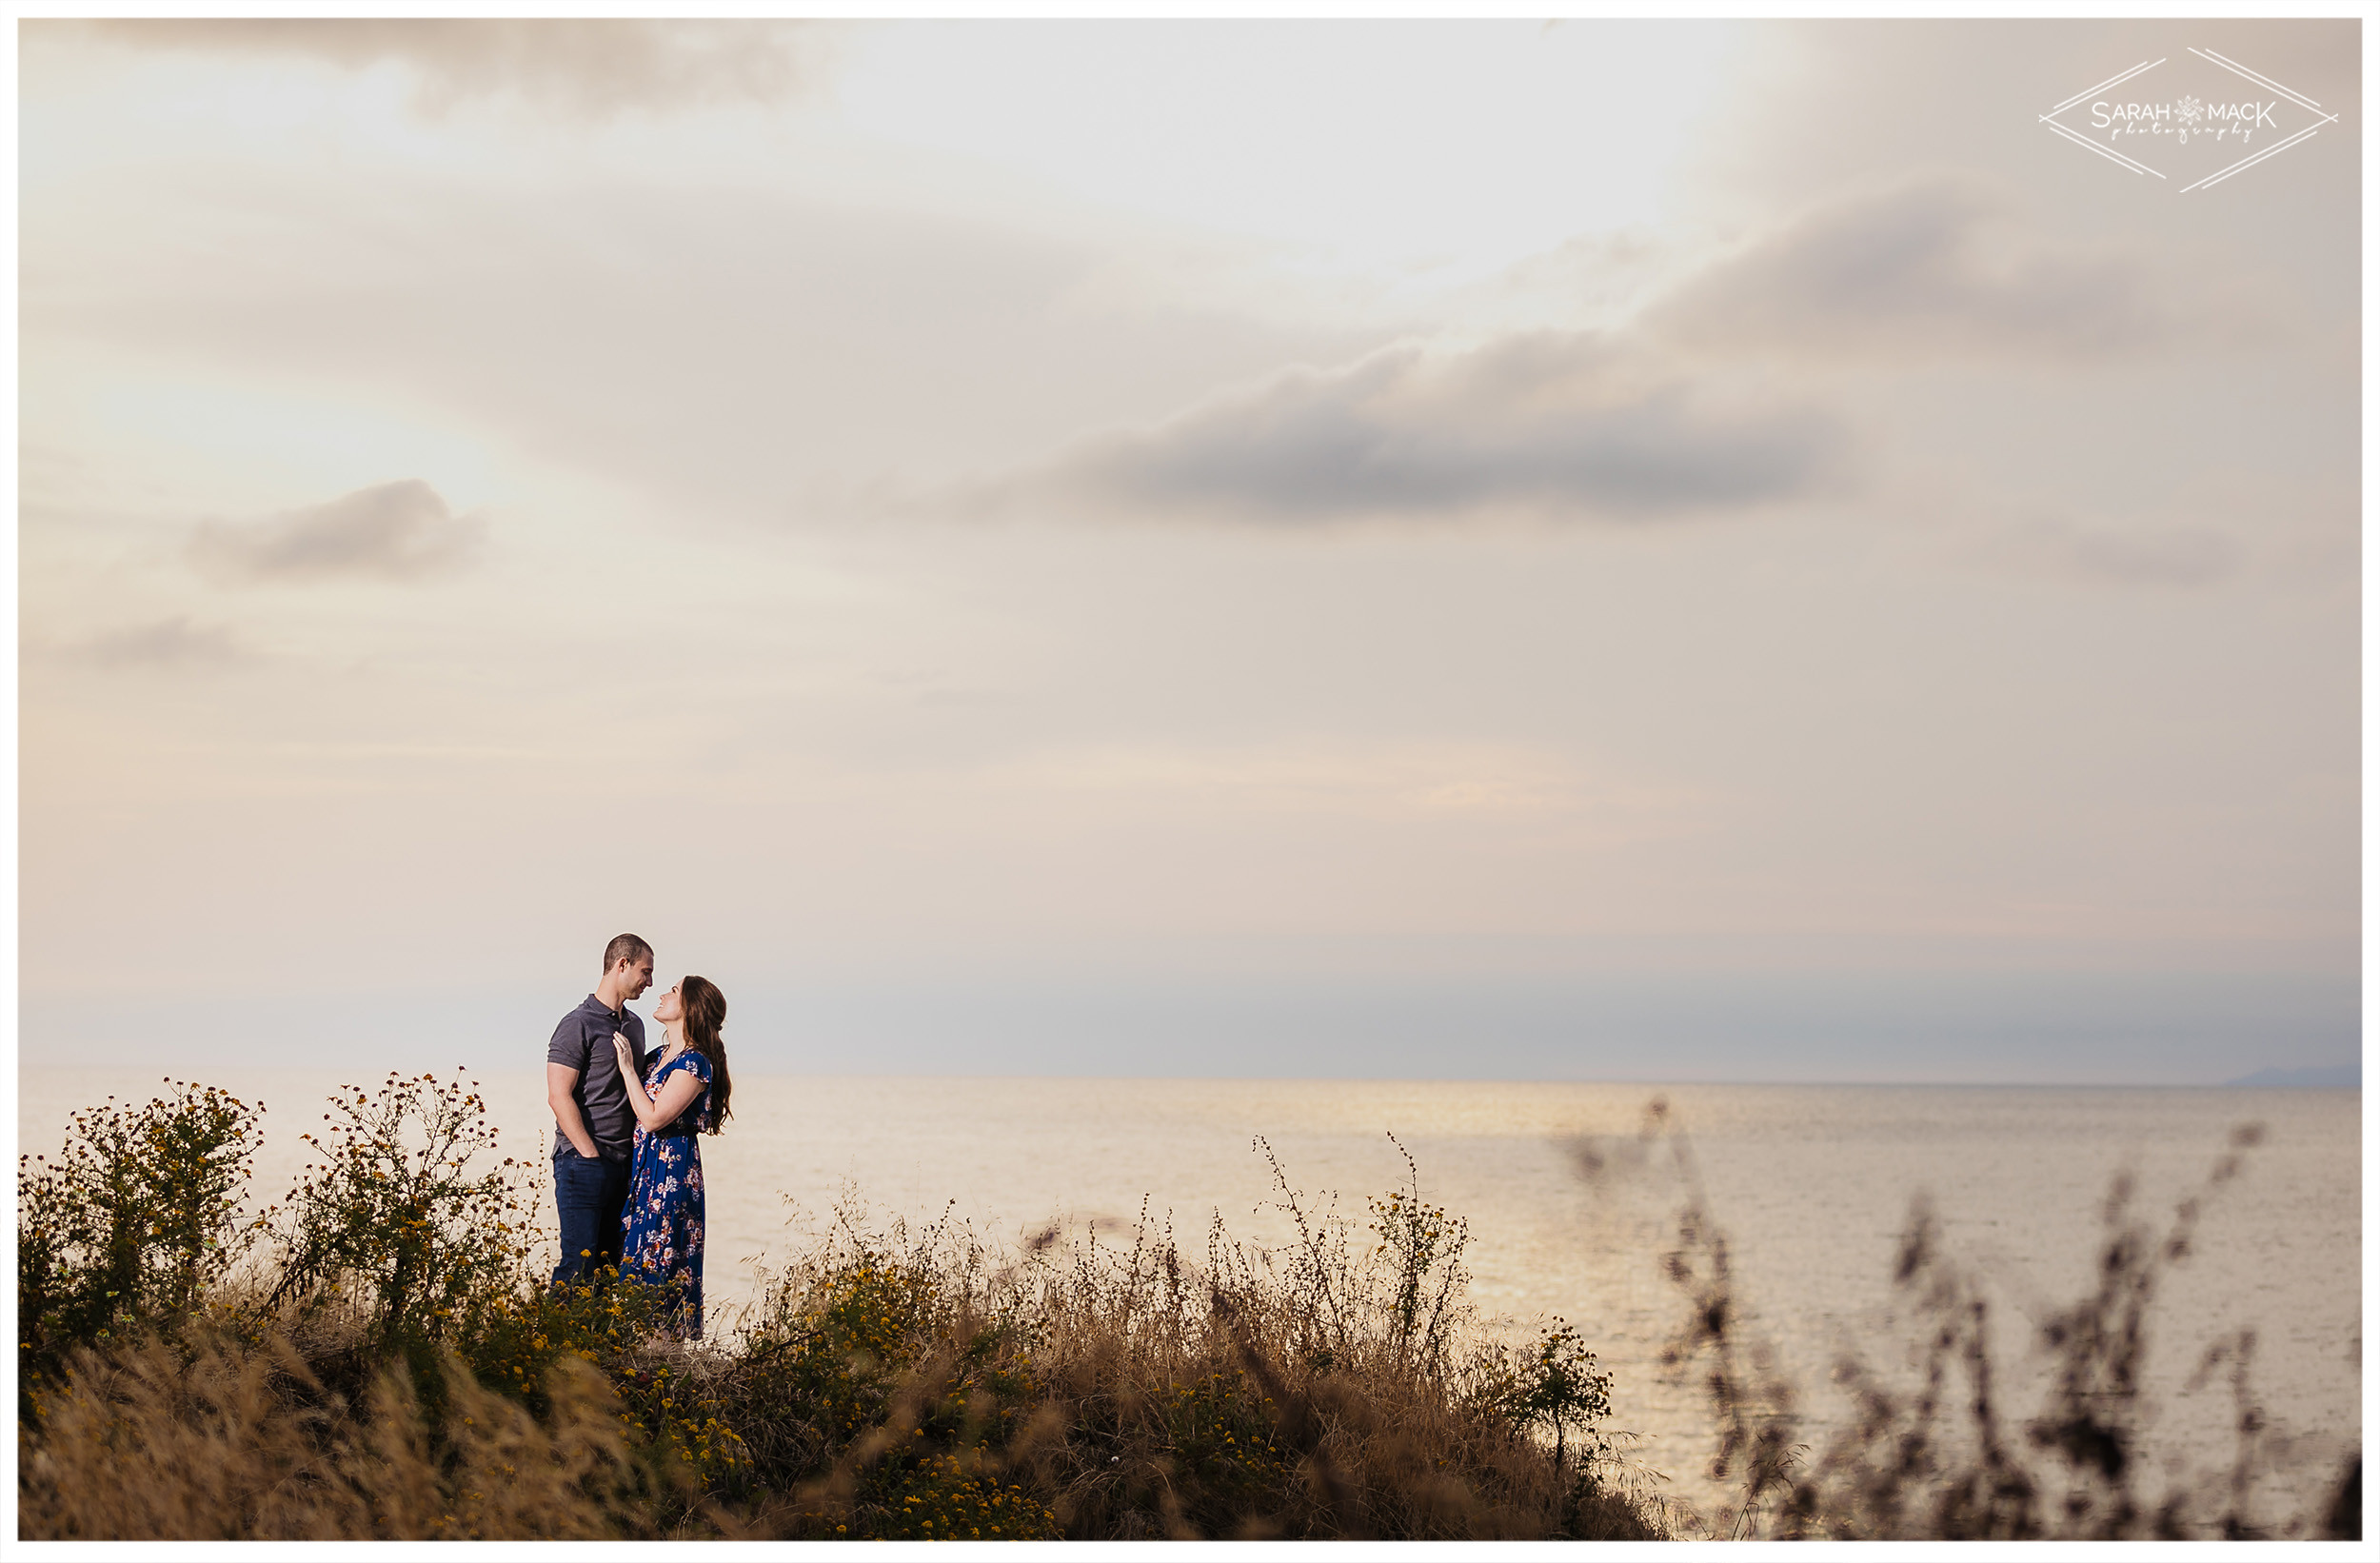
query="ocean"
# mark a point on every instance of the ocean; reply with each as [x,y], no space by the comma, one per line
[1813,1187]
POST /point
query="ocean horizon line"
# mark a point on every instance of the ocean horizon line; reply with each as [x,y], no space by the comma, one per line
[2319,1078]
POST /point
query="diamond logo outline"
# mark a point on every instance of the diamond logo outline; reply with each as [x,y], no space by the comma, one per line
[2221,61]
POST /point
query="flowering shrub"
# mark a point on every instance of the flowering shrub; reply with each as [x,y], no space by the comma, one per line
[1553,1385]
[896,1393]
[393,1220]
[1424,1246]
[133,1224]
[954,1497]
[1225,1432]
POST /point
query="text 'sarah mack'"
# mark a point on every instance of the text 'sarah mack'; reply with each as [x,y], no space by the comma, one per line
[2184,118]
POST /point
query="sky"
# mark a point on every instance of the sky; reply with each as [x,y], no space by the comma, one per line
[1617,549]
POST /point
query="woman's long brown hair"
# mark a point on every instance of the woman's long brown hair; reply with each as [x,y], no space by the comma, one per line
[706,1010]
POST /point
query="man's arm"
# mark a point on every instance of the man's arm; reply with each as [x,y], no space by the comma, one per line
[560,1079]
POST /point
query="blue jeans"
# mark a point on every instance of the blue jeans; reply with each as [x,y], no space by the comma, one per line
[590,1195]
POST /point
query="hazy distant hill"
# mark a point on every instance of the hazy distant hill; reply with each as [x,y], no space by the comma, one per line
[2336,1073]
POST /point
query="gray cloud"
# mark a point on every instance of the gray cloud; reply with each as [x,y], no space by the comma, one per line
[392,531]
[1935,265]
[585,66]
[1571,426]
[169,644]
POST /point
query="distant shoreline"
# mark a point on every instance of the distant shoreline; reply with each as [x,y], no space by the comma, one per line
[2325,1077]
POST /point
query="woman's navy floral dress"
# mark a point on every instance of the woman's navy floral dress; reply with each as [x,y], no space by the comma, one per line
[662,1242]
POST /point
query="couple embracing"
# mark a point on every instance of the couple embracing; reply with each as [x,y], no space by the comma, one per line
[627,1171]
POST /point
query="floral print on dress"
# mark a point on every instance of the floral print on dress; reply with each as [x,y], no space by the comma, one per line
[662,1241]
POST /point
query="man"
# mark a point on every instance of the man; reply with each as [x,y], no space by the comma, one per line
[593,1123]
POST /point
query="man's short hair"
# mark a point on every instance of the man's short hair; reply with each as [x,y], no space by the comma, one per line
[625,947]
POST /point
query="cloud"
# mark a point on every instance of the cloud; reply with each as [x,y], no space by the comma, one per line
[1569,426]
[393,531]
[592,67]
[169,644]
[1936,265]
[2059,548]
[1403,782]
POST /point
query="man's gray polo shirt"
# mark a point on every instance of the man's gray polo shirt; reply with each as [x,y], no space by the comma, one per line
[583,1042]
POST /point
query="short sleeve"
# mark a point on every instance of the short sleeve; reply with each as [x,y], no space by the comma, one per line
[697,1113]
[568,1047]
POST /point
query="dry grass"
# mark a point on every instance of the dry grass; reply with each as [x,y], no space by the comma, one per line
[385,1363]
[233,1440]
[1948,1459]
[1132,1394]
[388,1365]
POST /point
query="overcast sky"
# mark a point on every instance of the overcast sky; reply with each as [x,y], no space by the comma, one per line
[1619,550]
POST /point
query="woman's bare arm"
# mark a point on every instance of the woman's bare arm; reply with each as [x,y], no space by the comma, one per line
[657,1112]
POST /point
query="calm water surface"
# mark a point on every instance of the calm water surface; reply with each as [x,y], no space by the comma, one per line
[1812,1184]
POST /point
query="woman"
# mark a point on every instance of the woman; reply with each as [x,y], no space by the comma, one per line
[684,1093]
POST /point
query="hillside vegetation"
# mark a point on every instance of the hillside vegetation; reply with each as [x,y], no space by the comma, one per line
[376,1354]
